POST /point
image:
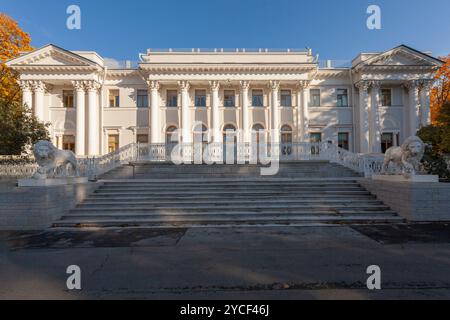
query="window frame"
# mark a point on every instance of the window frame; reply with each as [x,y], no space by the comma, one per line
[382,97]
[203,98]
[341,95]
[262,98]
[68,93]
[146,104]
[311,95]
[289,105]
[116,100]
[168,100]
[348,140]
[232,96]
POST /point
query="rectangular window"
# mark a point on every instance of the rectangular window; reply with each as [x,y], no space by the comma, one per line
[172,98]
[315,137]
[142,99]
[342,98]
[387,141]
[113,142]
[315,97]
[113,98]
[257,98]
[142,138]
[228,98]
[343,140]
[200,98]
[286,98]
[68,99]
[68,143]
[386,97]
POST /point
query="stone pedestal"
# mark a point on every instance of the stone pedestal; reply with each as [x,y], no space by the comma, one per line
[412,179]
[51,182]
[413,200]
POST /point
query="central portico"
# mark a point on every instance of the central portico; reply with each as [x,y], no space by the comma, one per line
[287,97]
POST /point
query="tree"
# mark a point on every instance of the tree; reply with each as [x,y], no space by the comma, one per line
[18,127]
[440,95]
[13,41]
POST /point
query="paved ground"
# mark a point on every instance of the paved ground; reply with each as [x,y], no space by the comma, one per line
[250,263]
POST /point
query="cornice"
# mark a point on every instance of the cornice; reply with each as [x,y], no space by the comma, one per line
[226,68]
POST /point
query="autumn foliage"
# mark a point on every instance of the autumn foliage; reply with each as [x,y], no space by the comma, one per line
[440,95]
[13,41]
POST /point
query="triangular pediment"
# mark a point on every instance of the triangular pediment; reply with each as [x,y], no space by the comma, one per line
[51,55]
[402,56]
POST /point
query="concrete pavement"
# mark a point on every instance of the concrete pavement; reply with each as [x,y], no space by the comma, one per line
[229,263]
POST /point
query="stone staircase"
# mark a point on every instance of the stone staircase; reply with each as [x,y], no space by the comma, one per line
[165,195]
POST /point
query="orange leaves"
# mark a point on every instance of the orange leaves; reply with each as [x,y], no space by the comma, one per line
[13,41]
[440,95]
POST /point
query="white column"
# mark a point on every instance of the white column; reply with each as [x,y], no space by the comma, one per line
[302,104]
[425,104]
[186,131]
[80,137]
[374,129]
[217,136]
[155,111]
[275,87]
[27,93]
[305,109]
[39,90]
[363,87]
[245,85]
[414,111]
[93,123]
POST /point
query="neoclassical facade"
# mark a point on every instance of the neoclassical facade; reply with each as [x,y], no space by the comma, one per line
[376,102]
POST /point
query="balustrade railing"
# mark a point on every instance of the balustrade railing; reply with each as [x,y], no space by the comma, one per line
[228,153]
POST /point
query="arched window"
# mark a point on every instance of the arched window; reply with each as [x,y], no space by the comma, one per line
[229,131]
[201,133]
[258,131]
[286,134]
[171,135]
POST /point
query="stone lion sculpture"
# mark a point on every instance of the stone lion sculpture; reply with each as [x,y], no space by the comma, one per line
[407,157]
[53,161]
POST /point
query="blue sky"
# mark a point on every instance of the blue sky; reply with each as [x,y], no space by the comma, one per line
[336,29]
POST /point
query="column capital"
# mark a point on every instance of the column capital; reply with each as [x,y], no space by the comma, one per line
[425,84]
[153,85]
[79,85]
[274,85]
[375,84]
[25,85]
[245,85]
[303,84]
[363,85]
[412,84]
[184,85]
[38,86]
[92,86]
[214,85]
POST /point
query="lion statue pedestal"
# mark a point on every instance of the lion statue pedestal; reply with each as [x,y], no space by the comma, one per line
[56,167]
[406,162]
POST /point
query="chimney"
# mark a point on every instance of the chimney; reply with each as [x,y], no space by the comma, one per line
[328,64]
[128,64]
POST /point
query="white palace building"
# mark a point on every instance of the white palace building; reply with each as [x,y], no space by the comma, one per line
[377,101]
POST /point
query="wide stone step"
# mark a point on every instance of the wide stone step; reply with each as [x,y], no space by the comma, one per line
[228,183]
[228,189]
[105,211]
[229,206]
[231,192]
[227,197]
[195,201]
[232,221]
